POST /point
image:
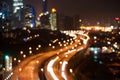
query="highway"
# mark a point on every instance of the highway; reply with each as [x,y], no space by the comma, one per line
[56,68]
[55,61]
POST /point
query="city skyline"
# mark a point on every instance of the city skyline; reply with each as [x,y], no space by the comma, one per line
[59,40]
[84,8]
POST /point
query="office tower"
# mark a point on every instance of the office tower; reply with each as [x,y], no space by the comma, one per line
[44,6]
[17,5]
[29,16]
[18,14]
[53,19]
[5,14]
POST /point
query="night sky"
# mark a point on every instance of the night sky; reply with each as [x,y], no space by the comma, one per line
[84,8]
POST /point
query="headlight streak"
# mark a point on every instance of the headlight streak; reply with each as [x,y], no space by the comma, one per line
[50,68]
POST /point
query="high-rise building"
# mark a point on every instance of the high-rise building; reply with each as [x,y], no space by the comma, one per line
[53,19]
[18,14]
[44,6]
[17,5]
[29,16]
[5,14]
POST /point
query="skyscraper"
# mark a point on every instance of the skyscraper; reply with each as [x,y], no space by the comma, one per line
[5,14]
[18,13]
[17,5]
[29,16]
[44,6]
[53,19]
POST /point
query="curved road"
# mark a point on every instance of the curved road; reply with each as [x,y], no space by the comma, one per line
[28,69]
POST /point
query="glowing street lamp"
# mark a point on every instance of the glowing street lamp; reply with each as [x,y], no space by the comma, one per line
[53,10]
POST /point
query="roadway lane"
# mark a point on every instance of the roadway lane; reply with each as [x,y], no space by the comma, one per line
[56,68]
[28,69]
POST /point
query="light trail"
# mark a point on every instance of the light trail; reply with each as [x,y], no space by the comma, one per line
[63,70]
[50,69]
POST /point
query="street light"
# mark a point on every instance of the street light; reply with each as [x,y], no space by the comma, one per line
[6,57]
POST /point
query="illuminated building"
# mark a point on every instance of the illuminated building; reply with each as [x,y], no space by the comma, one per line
[5,14]
[8,67]
[29,16]
[8,63]
[17,5]
[53,19]
[44,6]
[44,20]
[18,14]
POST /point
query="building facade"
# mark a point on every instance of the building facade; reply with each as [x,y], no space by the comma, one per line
[53,19]
[29,16]
[44,6]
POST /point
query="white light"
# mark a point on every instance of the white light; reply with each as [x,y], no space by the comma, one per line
[95,37]
[0,13]
[71,70]
[42,69]
[31,25]
[19,61]
[37,61]
[50,68]
[30,52]
[60,62]
[21,52]
[108,42]
[39,46]
[112,27]
[53,47]
[63,75]
[24,56]
[30,48]
[14,59]
[95,52]
[20,69]
[64,65]
[50,44]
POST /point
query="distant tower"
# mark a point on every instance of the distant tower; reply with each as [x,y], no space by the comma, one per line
[29,16]
[53,19]
[17,5]
[8,63]
[44,6]
[18,14]
[5,15]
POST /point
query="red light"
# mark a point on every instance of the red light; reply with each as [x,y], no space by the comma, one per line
[117,18]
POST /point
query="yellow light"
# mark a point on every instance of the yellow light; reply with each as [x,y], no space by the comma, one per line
[37,48]
[53,10]
[41,14]
[20,69]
